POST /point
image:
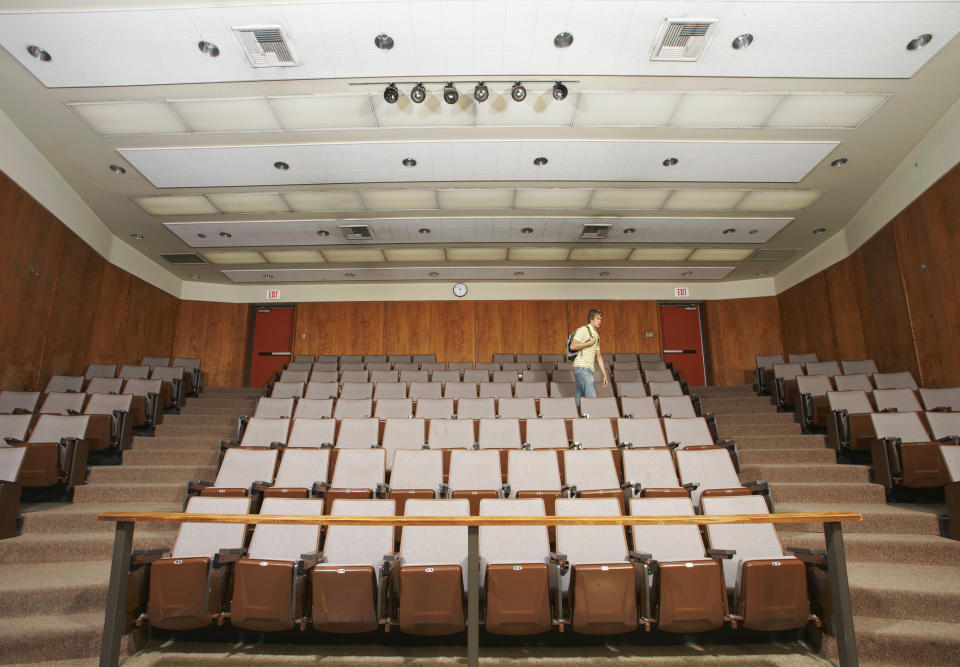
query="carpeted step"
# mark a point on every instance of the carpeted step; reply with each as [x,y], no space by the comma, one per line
[70,547]
[131,474]
[33,639]
[170,443]
[148,457]
[170,492]
[749,456]
[218,392]
[826,493]
[805,472]
[83,516]
[224,421]
[71,587]
[203,410]
[795,442]
[737,431]
[731,419]
[877,518]
[737,404]
[193,431]
[724,390]
[912,550]
[239,404]
[905,641]
[890,590]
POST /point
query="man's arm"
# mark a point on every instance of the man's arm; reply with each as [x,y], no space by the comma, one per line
[580,344]
[603,369]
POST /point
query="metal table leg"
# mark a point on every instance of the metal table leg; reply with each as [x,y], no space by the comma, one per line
[840,593]
[473,596]
[114,618]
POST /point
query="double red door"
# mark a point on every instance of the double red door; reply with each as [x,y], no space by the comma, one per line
[272,340]
[682,339]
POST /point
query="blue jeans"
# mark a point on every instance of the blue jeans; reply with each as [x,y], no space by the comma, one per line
[585,386]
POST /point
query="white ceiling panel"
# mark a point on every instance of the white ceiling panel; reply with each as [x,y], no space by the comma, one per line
[538,254]
[116,118]
[159,46]
[724,109]
[731,161]
[703,200]
[293,256]
[628,200]
[432,112]
[177,205]
[599,254]
[626,109]
[323,112]
[552,198]
[720,254]
[359,255]
[456,273]
[308,201]
[414,254]
[800,110]
[778,200]
[476,254]
[234,257]
[399,200]
[467,199]
[539,109]
[659,254]
[249,202]
[228,115]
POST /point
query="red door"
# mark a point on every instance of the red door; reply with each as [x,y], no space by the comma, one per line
[683,341]
[272,340]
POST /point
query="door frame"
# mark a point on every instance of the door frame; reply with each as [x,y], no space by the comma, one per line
[703,338]
[253,327]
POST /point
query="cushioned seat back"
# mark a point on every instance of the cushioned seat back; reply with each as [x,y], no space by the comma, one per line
[530,389]
[314,408]
[533,471]
[902,400]
[142,387]
[665,388]
[708,468]
[651,468]
[558,408]
[688,432]
[103,385]
[853,382]
[23,400]
[519,408]
[451,434]
[829,368]
[894,380]
[547,433]
[941,398]
[397,408]
[308,432]
[240,468]
[866,366]
[590,470]
[474,470]
[854,402]
[817,385]
[943,424]
[58,403]
[264,432]
[282,542]
[904,425]
[318,389]
[476,408]
[599,408]
[748,540]
[460,390]
[402,434]
[64,383]
[105,404]
[678,407]
[647,432]
[359,469]
[593,433]
[356,433]
[274,408]
[666,543]
[417,469]
[499,433]
[301,469]
[389,390]
[287,390]
[101,371]
[434,408]
[801,358]
[51,428]
[639,407]
[353,408]
[787,371]
[14,426]
[197,540]
[11,458]
[354,390]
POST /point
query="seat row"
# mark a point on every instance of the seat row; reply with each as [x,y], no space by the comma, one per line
[143,400]
[765,372]
[468,375]
[420,390]
[815,399]
[176,380]
[193,374]
[56,447]
[498,357]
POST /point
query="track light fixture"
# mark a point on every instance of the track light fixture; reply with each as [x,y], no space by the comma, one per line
[559,92]
[481,93]
[450,94]
[391,94]
[418,93]
[518,92]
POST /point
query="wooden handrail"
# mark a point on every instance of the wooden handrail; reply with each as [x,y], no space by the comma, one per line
[303,520]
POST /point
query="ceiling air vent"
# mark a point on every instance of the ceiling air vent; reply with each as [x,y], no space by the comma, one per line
[265,46]
[598,231]
[356,232]
[184,258]
[683,40]
[774,254]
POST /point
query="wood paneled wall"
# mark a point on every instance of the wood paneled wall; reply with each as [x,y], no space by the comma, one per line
[218,334]
[894,300]
[737,330]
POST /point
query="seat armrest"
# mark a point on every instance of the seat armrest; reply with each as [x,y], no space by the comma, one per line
[889,410]
[382,490]
[143,557]
[307,561]
[72,412]
[320,489]
[20,411]
[939,408]
[13,441]
[227,556]
[673,444]
[812,556]
[691,486]
[950,439]
[721,553]
[625,445]
[260,486]
[640,557]
[568,490]
[505,490]
[559,560]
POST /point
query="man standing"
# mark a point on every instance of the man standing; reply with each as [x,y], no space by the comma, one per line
[587,341]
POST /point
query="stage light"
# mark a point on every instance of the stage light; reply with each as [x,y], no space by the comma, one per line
[450,94]
[559,92]
[518,92]
[418,93]
[391,94]
[481,93]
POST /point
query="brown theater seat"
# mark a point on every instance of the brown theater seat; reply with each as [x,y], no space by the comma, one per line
[58,447]
[903,452]
[11,460]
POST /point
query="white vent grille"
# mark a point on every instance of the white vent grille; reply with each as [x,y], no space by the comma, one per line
[598,231]
[683,40]
[356,232]
[266,46]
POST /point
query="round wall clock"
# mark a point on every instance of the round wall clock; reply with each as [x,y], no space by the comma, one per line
[460,289]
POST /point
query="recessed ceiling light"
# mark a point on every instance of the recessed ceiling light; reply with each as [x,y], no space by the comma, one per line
[729,230]
[670,161]
[268,276]
[753,231]
[39,53]
[391,94]
[226,235]
[839,162]
[819,230]
[418,93]
[604,274]
[434,274]
[201,236]
[293,256]
[518,273]
[563,40]
[424,230]
[282,166]
[742,41]
[527,230]
[137,236]
[763,273]
[209,49]
[686,273]
[349,275]
[481,93]
[539,161]
[383,41]
[518,92]
[559,92]
[323,232]
[630,230]
[919,42]
[450,94]
[195,276]
[117,169]
[409,162]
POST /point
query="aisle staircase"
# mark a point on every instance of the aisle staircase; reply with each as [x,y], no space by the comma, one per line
[53,577]
[904,577]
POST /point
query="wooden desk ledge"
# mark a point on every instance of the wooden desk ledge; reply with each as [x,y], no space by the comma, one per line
[303,520]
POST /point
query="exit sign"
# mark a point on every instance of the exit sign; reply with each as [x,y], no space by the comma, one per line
[273,295]
[681,291]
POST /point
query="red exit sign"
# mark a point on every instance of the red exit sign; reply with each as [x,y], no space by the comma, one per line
[681,291]
[273,295]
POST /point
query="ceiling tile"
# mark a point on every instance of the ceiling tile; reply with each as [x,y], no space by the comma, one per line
[725,109]
[625,109]
[119,118]
[552,198]
[177,205]
[332,200]
[432,112]
[703,200]
[826,110]
[719,254]
[628,200]
[249,202]
[539,109]
[476,254]
[323,112]
[228,115]
[590,254]
[538,254]
[414,254]
[470,199]
[659,254]
[234,257]
[293,256]
[778,200]
[399,200]
[353,255]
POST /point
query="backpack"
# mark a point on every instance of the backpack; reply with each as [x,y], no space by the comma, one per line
[569,354]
